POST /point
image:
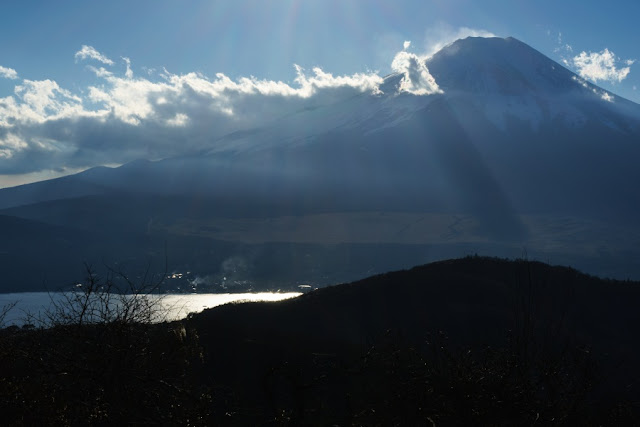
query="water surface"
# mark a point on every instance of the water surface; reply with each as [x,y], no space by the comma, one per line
[32,305]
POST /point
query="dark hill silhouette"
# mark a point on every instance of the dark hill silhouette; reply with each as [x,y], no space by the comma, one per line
[473,341]
[527,308]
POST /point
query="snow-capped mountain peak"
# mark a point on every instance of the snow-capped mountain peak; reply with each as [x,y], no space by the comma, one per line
[507,79]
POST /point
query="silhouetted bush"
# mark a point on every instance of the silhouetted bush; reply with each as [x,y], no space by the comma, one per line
[4,310]
[96,358]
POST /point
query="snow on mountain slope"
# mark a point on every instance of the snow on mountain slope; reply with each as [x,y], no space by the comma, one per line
[502,80]
[509,121]
[367,112]
[507,78]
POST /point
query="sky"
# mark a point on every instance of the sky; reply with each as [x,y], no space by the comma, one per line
[94,83]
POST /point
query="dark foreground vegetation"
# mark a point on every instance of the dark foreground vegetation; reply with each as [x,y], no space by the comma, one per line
[474,341]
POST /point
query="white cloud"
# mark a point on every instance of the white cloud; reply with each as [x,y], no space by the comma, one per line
[100,72]
[417,80]
[156,114]
[320,80]
[128,74]
[600,66]
[36,102]
[8,73]
[89,52]
[44,100]
[598,92]
[581,82]
[179,120]
[125,116]
[9,144]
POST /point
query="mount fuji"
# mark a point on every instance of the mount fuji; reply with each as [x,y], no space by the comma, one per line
[513,153]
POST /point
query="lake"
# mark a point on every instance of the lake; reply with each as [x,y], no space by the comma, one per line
[171,306]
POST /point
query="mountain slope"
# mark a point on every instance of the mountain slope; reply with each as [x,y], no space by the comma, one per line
[38,256]
[511,124]
[504,104]
[518,148]
[513,79]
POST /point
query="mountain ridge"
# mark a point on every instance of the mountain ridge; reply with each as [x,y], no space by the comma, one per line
[531,155]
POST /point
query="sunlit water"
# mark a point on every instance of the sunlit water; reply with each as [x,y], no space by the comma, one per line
[33,305]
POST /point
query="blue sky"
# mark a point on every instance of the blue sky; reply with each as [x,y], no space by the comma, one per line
[87,83]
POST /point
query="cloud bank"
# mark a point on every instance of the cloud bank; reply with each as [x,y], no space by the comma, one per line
[160,114]
[596,66]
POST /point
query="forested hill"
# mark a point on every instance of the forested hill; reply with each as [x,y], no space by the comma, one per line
[574,334]
[473,341]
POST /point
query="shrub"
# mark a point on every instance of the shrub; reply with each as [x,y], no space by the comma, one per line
[98,358]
